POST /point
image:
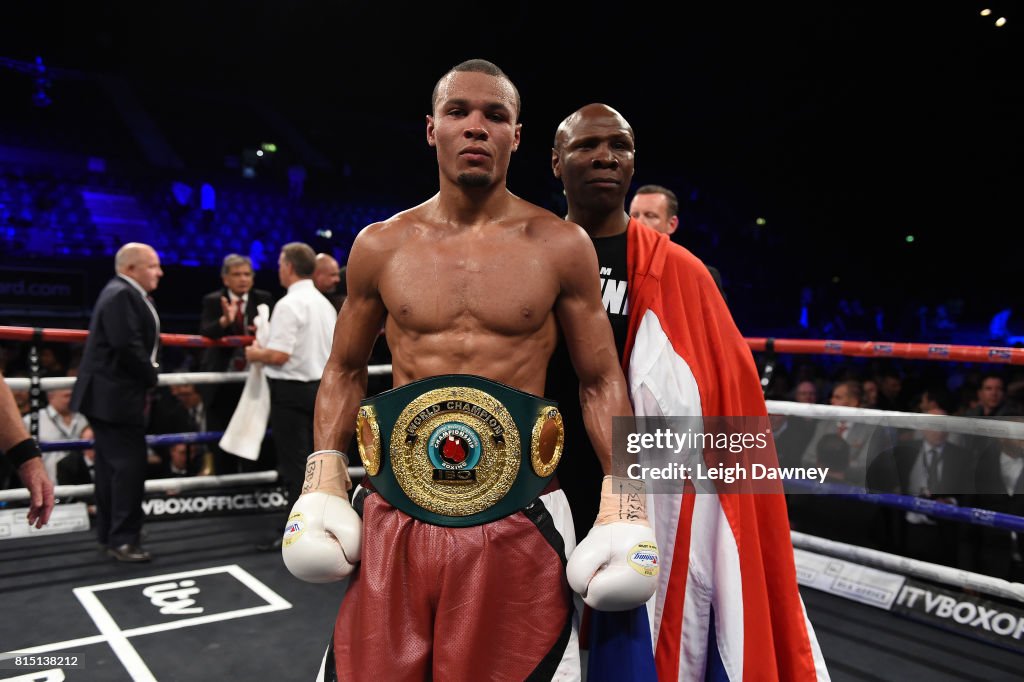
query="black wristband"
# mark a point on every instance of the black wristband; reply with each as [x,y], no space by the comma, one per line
[23,452]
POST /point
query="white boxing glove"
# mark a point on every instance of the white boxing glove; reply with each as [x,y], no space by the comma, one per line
[615,568]
[324,535]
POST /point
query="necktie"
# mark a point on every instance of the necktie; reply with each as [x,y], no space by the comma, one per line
[932,458]
[240,316]
[238,328]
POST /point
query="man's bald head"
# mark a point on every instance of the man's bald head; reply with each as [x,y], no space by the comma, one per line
[326,274]
[130,254]
[139,262]
[594,112]
[593,156]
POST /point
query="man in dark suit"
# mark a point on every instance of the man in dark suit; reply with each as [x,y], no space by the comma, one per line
[118,368]
[932,468]
[79,467]
[229,311]
[999,480]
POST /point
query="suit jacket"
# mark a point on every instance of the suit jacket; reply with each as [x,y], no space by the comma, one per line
[116,369]
[866,442]
[993,547]
[218,359]
[891,470]
[73,470]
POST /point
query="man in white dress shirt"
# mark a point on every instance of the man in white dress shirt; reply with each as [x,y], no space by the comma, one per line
[57,421]
[301,329]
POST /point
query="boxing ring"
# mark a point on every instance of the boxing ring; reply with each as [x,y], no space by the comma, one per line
[212,607]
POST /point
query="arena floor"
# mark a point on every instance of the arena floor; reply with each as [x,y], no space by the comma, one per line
[210,607]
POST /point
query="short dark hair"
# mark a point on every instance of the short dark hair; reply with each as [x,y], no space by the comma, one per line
[854,387]
[302,258]
[477,66]
[673,201]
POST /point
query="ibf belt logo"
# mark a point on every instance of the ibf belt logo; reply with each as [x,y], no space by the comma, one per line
[454,451]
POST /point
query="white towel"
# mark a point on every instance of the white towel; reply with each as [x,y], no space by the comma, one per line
[249,422]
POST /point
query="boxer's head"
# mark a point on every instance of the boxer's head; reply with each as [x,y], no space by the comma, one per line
[474,124]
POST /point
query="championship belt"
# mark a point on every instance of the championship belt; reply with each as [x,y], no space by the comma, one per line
[459,450]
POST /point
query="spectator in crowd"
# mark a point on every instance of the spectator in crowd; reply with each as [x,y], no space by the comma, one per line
[79,467]
[181,462]
[834,517]
[932,468]
[301,331]
[228,311]
[57,421]
[833,453]
[869,388]
[326,277]
[118,368]
[991,397]
[865,440]
[22,399]
[657,207]
[806,392]
[890,388]
[51,362]
[999,480]
[936,397]
[792,435]
[185,412]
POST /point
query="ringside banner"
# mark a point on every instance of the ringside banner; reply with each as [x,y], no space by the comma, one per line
[42,287]
[215,503]
[967,614]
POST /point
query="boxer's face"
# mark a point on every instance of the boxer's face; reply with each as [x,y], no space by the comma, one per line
[474,128]
[594,158]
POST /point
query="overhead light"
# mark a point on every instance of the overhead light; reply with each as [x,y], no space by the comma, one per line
[986,12]
[1000,22]
[910,239]
[259,152]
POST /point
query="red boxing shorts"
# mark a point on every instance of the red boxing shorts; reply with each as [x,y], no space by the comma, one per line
[438,603]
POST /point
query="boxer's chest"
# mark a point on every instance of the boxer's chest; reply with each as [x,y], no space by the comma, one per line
[502,285]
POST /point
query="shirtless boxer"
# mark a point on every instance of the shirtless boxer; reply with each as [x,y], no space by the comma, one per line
[471,283]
